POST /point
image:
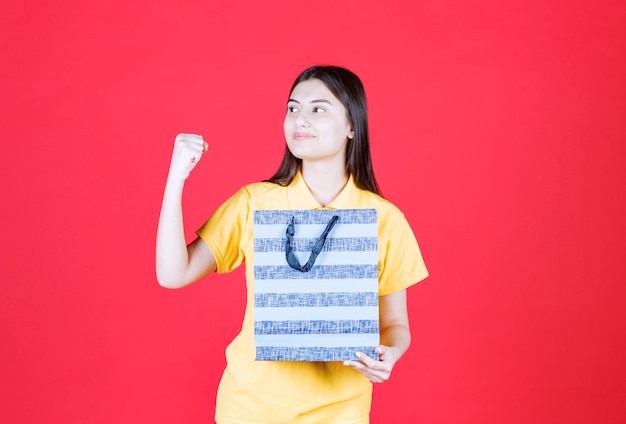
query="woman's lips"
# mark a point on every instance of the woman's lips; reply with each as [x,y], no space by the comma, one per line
[302,136]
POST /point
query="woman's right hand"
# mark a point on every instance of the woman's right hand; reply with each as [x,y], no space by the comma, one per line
[176,264]
[188,149]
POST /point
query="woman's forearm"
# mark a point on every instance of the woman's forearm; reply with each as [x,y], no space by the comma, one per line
[397,338]
[171,248]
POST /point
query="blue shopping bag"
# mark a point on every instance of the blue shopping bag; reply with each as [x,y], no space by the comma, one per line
[311,306]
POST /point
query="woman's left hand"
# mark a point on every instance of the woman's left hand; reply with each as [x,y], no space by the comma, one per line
[377,371]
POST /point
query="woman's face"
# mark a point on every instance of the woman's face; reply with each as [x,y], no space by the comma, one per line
[316,125]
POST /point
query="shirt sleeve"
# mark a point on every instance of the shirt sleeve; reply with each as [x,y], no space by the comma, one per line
[401,265]
[224,230]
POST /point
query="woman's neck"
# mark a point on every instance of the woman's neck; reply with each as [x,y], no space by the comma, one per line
[324,182]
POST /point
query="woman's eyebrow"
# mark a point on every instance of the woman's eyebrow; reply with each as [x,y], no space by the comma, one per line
[312,101]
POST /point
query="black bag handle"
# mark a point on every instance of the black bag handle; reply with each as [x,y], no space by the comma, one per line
[317,247]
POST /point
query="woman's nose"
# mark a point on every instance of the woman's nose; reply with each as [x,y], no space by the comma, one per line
[302,120]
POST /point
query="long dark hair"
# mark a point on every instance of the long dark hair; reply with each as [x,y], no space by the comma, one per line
[348,88]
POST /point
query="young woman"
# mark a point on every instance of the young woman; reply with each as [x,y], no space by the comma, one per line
[326,166]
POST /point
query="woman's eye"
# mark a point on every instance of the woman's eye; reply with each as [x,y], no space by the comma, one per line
[292,109]
[318,109]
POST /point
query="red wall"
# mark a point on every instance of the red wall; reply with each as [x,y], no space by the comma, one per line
[499,127]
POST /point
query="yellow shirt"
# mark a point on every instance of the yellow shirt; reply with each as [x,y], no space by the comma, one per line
[267,392]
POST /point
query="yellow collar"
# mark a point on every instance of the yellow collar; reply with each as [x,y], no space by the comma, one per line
[300,197]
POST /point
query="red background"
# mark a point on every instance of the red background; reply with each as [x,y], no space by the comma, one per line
[499,128]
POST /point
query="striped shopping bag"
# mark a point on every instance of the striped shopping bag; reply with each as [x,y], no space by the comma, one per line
[309,306]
